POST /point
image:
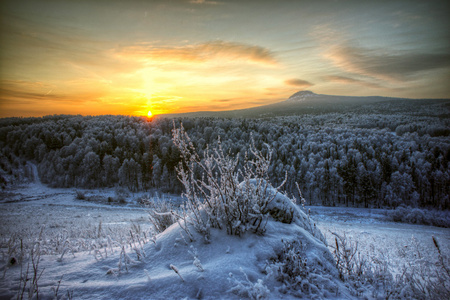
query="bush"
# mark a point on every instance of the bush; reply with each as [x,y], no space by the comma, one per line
[398,214]
[293,267]
[299,276]
[223,197]
[416,216]
[80,195]
[248,289]
[418,278]
[121,195]
[420,216]
[161,213]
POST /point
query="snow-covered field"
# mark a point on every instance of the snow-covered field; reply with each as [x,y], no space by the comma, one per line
[84,241]
[378,236]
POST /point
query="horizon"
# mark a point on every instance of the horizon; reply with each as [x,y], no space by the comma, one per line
[154,115]
[129,58]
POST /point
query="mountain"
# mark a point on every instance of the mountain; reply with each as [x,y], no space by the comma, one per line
[302,96]
[307,102]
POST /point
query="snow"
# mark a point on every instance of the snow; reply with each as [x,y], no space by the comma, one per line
[301,96]
[229,267]
[384,239]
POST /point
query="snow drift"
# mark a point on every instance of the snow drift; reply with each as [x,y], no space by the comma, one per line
[231,266]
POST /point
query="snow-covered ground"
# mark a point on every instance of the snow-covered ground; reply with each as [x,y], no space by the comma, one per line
[30,207]
[377,236]
[86,239]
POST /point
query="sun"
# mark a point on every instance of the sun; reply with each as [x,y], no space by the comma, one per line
[149,114]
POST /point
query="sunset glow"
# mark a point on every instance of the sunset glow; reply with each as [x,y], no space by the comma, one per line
[124,57]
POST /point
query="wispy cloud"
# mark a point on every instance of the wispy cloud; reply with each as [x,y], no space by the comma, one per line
[43,50]
[385,65]
[31,92]
[204,2]
[300,83]
[27,92]
[350,80]
[213,50]
[238,103]
[9,95]
[222,100]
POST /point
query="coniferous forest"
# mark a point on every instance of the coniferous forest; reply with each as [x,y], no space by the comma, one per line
[385,158]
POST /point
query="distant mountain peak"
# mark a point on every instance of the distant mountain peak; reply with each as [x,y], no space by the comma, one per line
[302,95]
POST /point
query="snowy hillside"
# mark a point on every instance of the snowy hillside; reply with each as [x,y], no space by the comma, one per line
[301,96]
[287,260]
[251,266]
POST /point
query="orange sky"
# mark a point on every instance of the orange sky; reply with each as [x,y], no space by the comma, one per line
[129,57]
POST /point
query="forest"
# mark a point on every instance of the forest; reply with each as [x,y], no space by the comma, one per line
[362,159]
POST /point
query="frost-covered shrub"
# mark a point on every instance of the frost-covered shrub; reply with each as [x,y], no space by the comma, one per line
[29,278]
[424,275]
[96,198]
[300,277]
[121,194]
[160,213]
[440,219]
[398,214]
[218,194]
[292,265]
[364,273]
[80,195]
[416,216]
[420,216]
[345,254]
[426,279]
[248,289]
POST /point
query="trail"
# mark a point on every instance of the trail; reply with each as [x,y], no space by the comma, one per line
[33,170]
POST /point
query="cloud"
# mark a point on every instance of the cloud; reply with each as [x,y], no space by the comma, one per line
[203,2]
[213,50]
[26,91]
[238,103]
[298,83]
[34,92]
[40,47]
[383,65]
[349,80]
[222,100]
[28,97]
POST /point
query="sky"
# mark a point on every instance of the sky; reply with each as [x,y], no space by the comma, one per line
[129,57]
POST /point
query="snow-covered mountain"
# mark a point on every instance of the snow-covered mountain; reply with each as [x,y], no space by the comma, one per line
[301,96]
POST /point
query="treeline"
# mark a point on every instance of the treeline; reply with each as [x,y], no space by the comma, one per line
[369,160]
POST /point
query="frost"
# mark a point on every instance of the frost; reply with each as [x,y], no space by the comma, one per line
[248,289]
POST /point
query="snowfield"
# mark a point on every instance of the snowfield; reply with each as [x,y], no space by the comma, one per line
[95,250]
[378,237]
